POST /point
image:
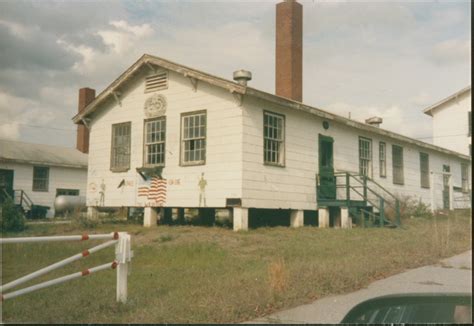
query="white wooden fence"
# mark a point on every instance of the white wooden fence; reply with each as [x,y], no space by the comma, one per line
[123,256]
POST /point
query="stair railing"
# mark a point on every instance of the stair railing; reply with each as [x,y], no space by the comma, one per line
[24,201]
[363,181]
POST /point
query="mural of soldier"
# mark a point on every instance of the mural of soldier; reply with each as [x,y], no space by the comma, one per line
[102,193]
[202,190]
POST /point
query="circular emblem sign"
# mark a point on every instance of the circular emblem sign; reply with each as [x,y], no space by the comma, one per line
[155,106]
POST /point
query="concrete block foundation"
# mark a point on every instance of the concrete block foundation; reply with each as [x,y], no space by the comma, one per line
[297,218]
[323,215]
[150,217]
[241,218]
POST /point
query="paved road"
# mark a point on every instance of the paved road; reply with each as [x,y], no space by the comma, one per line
[449,275]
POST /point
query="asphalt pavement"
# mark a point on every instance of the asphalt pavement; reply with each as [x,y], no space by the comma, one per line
[449,275]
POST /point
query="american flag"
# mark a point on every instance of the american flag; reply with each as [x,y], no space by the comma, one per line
[156,192]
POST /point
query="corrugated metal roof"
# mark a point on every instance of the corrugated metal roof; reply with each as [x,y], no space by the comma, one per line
[20,152]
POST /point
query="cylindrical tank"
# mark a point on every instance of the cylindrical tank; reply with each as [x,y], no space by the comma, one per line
[67,204]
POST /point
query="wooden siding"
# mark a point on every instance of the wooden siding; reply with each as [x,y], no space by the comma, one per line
[222,170]
[450,124]
[59,177]
[294,185]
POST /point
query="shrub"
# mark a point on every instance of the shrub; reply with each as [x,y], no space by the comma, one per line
[11,217]
[84,222]
[410,207]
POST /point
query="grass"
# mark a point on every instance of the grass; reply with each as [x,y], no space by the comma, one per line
[185,274]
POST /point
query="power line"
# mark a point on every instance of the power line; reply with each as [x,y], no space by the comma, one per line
[37,126]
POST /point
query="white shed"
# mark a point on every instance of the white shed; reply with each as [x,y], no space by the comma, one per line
[452,122]
[35,174]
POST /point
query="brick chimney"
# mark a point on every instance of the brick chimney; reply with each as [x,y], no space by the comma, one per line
[289,50]
[86,95]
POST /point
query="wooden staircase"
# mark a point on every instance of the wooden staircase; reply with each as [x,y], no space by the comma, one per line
[21,200]
[366,200]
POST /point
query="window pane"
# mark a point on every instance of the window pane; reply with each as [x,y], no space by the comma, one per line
[121,146]
[155,142]
[397,164]
[273,134]
[193,138]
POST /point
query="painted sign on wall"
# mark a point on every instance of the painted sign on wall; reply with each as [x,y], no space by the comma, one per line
[154,192]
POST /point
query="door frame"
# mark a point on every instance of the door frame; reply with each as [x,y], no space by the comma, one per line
[326,173]
[12,181]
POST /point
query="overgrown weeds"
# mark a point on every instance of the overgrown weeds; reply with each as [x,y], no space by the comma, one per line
[190,274]
[278,276]
[83,222]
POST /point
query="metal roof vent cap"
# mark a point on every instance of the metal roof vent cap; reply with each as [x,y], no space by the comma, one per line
[374,121]
[242,76]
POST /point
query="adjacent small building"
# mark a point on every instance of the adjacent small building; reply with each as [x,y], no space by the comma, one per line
[452,124]
[35,174]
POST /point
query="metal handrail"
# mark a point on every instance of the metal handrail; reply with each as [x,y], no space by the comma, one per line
[366,199]
[395,204]
[24,199]
[355,175]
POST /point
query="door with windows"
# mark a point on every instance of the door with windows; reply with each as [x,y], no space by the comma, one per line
[6,184]
[446,169]
[326,181]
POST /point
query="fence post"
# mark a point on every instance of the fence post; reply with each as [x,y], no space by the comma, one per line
[123,256]
[381,212]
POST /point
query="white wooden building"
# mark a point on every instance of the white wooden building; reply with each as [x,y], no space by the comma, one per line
[452,121]
[163,135]
[36,174]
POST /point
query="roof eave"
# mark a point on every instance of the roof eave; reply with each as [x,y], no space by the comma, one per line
[62,165]
[149,59]
[349,122]
[429,110]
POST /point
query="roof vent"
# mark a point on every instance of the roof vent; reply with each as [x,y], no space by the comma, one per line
[374,121]
[156,82]
[242,76]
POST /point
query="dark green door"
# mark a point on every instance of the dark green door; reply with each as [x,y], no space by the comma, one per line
[327,181]
[6,184]
[447,169]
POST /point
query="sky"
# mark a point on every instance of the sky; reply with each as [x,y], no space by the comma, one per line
[372,58]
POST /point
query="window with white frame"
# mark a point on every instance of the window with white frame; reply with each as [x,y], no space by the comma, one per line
[424,170]
[193,138]
[365,156]
[383,159]
[40,178]
[155,137]
[273,139]
[121,143]
[465,177]
[397,165]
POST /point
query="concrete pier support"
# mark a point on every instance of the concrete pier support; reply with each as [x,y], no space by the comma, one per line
[150,217]
[92,213]
[323,216]
[241,218]
[297,218]
[346,221]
